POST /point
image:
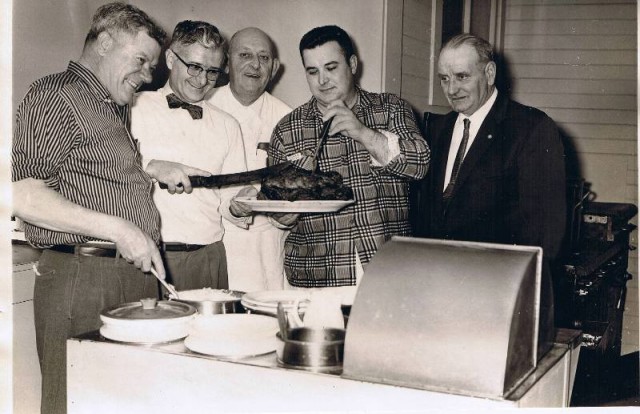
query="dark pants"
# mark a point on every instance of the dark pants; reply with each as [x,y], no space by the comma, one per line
[70,292]
[205,267]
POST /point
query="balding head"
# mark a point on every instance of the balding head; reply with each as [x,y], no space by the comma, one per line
[252,33]
[252,64]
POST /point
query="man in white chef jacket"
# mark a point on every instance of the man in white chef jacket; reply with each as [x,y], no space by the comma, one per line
[255,257]
[175,126]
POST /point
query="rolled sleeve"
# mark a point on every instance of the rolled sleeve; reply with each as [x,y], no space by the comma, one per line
[393,148]
[412,161]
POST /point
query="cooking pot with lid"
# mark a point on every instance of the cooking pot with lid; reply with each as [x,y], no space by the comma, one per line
[148,321]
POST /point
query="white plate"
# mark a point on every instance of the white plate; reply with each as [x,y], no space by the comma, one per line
[301,206]
[270,298]
[233,335]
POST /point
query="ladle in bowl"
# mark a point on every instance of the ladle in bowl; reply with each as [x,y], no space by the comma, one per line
[167,286]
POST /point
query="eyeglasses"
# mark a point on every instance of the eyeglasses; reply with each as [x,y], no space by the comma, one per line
[195,70]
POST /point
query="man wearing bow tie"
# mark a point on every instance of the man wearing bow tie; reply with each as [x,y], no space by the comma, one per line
[498,170]
[180,135]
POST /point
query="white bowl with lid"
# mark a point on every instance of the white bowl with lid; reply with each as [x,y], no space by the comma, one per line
[147,322]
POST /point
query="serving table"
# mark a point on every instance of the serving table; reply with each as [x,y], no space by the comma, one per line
[111,377]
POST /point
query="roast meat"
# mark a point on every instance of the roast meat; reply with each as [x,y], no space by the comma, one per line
[299,184]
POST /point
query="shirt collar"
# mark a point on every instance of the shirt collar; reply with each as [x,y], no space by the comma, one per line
[166,90]
[361,101]
[255,107]
[95,86]
[477,118]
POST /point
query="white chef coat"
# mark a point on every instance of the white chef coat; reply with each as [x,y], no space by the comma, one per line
[255,258]
[213,143]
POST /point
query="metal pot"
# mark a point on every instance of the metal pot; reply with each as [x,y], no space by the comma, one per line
[317,350]
[213,306]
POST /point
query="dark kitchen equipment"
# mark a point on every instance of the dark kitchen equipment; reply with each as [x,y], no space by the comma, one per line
[591,293]
[449,316]
[605,222]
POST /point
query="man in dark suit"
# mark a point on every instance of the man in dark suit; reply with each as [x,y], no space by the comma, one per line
[509,182]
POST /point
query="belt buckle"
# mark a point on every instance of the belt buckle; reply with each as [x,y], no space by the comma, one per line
[94,251]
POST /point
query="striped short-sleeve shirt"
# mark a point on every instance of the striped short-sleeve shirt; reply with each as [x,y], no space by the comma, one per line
[321,249]
[70,134]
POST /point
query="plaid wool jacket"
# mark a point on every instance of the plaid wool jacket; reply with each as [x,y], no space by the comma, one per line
[321,249]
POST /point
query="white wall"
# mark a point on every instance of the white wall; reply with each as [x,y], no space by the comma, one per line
[47,34]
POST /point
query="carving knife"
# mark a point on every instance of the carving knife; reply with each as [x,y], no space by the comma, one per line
[215,181]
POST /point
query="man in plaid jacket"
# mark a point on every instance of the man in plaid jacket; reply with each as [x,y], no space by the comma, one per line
[374,143]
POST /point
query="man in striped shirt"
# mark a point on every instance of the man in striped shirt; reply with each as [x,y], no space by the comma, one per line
[374,143]
[78,180]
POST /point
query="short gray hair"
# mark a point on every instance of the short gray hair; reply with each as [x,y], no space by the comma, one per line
[121,17]
[481,46]
[188,32]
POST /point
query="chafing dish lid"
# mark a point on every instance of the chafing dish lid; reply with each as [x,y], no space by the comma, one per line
[138,311]
[448,316]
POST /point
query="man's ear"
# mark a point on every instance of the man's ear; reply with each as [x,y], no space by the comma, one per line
[104,43]
[490,73]
[169,58]
[276,67]
[353,64]
[227,62]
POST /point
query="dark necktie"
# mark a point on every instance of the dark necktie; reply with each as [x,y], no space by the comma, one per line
[174,102]
[457,162]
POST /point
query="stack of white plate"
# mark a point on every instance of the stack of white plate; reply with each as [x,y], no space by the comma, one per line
[266,301]
[232,336]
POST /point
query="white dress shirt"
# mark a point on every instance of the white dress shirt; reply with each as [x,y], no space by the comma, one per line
[477,118]
[213,143]
[255,258]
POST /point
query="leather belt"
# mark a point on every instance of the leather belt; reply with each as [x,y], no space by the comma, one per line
[181,247]
[86,250]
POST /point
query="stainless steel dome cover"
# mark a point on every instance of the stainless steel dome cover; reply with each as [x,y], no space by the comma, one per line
[457,317]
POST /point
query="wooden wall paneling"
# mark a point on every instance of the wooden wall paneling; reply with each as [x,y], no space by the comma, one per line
[416,53]
[581,101]
[577,27]
[579,11]
[567,2]
[577,61]
[614,133]
[572,57]
[606,146]
[591,71]
[392,36]
[592,116]
[578,86]
[563,41]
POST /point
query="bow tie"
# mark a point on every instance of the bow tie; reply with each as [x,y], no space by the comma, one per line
[174,102]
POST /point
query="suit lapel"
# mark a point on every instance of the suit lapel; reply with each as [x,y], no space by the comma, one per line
[442,152]
[488,133]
